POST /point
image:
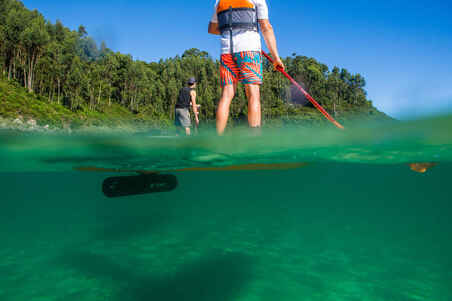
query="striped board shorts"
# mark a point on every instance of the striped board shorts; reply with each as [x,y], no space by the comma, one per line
[245,67]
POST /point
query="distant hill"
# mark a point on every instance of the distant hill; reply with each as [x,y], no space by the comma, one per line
[61,76]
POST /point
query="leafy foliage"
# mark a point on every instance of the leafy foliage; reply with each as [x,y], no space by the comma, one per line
[66,69]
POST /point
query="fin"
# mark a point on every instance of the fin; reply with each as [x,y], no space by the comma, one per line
[137,185]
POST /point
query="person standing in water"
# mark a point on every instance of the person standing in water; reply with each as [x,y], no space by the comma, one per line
[187,98]
[238,23]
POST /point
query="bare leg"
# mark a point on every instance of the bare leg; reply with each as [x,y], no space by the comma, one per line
[254,105]
[223,107]
[187,131]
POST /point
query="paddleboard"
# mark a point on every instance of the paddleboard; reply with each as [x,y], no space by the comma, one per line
[160,181]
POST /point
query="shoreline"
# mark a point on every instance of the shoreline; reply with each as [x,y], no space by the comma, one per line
[30,125]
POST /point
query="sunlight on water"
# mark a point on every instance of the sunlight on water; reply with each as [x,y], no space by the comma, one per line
[397,142]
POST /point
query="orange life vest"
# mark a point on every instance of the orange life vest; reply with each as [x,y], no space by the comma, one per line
[237,14]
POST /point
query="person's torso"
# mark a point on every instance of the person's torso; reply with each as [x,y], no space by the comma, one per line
[242,39]
[184,99]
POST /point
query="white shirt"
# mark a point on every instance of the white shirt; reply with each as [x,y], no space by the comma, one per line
[243,40]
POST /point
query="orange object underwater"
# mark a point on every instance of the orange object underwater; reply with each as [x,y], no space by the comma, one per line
[421,167]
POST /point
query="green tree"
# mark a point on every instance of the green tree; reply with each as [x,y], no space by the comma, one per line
[34,38]
[66,66]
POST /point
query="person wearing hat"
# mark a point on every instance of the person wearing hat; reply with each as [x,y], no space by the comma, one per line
[239,24]
[187,98]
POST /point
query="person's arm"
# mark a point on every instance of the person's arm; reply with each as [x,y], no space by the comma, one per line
[194,105]
[213,25]
[270,41]
[214,29]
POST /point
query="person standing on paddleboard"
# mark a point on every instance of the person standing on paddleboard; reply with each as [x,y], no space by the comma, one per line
[187,98]
[238,22]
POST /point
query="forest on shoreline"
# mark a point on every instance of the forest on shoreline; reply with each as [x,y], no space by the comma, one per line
[52,66]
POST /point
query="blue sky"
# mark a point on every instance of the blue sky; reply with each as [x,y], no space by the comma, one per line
[403,48]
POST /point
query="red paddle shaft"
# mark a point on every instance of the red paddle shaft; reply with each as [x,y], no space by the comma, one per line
[306,94]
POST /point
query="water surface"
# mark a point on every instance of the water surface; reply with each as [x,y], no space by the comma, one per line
[353,223]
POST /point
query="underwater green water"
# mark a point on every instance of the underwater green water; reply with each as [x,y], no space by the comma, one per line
[354,223]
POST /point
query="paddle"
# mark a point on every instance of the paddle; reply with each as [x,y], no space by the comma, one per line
[306,94]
